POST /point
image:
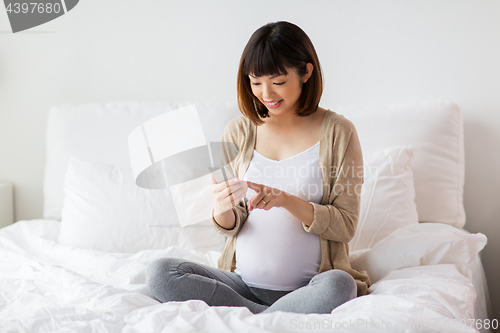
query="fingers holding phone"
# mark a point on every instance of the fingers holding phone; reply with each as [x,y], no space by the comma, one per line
[227,190]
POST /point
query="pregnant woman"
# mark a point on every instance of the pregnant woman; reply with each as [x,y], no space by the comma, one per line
[294,203]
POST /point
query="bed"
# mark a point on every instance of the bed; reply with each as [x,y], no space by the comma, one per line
[80,268]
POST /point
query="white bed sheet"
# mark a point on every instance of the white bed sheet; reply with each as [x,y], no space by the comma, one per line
[46,286]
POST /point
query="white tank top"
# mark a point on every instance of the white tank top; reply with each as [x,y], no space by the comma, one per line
[273,251]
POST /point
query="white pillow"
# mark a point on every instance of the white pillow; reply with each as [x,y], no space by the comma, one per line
[105,210]
[99,132]
[387,196]
[417,245]
[435,129]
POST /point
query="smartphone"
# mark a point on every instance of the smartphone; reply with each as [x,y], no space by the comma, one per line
[221,174]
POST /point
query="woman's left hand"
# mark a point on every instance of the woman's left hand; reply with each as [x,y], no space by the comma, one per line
[266,197]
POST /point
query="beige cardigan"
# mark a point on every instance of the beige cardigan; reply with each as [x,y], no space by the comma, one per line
[336,218]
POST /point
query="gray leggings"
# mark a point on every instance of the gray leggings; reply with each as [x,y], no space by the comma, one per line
[172,279]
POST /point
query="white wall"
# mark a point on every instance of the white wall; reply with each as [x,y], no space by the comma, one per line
[372,52]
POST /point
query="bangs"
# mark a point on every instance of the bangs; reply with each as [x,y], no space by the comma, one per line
[264,61]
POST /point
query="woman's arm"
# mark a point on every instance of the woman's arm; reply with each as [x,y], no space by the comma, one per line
[229,221]
[226,220]
[338,219]
[299,208]
[239,214]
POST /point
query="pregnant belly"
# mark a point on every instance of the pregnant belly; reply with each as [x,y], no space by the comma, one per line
[273,251]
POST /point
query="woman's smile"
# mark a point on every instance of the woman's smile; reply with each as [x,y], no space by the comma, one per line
[273,104]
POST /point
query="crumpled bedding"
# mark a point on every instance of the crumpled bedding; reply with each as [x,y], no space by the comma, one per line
[46,286]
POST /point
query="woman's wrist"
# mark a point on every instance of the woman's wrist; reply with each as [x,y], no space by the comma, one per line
[226,220]
[299,208]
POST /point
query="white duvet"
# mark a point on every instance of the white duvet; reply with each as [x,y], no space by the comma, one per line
[426,278]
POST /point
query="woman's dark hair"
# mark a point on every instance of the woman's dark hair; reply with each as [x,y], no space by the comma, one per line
[271,48]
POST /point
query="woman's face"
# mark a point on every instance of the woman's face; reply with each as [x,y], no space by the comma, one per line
[279,93]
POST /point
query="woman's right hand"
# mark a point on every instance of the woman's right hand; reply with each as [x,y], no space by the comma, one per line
[227,194]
